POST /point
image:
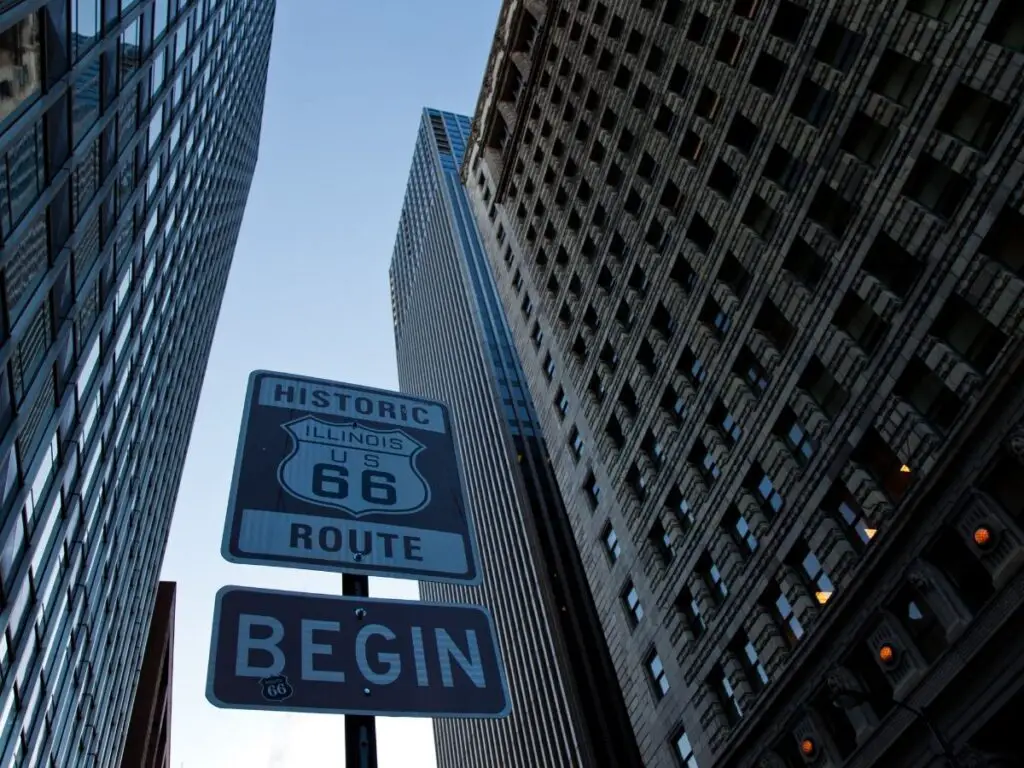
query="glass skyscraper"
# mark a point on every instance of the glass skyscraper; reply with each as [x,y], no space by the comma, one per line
[453,344]
[128,139]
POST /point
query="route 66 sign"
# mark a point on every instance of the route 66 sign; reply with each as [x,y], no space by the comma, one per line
[338,477]
[327,457]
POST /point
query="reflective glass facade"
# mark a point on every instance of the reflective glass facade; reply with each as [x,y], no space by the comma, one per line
[454,345]
[128,140]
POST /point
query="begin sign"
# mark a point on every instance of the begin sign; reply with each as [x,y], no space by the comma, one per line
[295,652]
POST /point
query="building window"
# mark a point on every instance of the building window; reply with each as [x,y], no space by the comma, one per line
[549,367]
[819,383]
[673,403]
[692,368]
[840,503]
[804,263]
[749,368]
[576,441]
[812,103]
[866,139]
[637,482]
[683,750]
[928,394]
[723,690]
[656,674]
[725,423]
[858,320]
[739,529]
[788,427]
[596,388]
[891,265]
[969,333]
[936,187]
[778,605]
[680,508]
[517,281]
[561,403]
[661,540]
[614,430]
[1002,242]
[898,78]
[592,489]
[704,460]
[611,543]
[536,335]
[802,558]
[688,606]
[654,449]
[771,500]
[743,649]
[632,601]
[891,474]
[712,577]
[527,306]
[1007,26]
[838,46]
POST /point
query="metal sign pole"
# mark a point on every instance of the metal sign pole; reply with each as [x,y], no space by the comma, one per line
[360,730]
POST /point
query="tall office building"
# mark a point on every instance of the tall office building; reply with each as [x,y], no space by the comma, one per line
[453,345]
[128,140]
[762,263]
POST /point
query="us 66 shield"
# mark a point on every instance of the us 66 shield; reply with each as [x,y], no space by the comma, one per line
[338,477]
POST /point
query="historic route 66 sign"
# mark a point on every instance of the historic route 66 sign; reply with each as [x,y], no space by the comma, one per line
[338,477]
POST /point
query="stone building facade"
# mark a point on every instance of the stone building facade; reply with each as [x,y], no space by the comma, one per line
[763,262]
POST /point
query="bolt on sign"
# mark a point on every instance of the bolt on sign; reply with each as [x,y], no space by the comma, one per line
[338,477]
[295,652]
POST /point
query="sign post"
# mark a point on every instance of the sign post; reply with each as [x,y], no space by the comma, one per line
[342,478]
[360,730]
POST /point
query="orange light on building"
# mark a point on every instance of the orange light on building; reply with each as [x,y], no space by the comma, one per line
[905,469]
[807,747]
[870,532]
[982,536]
[887,653]
[822,597]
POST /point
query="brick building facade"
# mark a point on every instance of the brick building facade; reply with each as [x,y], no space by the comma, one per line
[762,261]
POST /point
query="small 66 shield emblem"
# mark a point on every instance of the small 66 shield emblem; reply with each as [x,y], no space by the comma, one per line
[276,688]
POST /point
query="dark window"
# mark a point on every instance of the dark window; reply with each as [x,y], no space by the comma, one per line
[691,367]
[561,403]
[637,482]
[968,332]
[788,21]
[936,187]
[679,507]
[682,274]
[959,563]
[858,320]
[707,104]
[919,620]
[823,388]
[725,423]
[549,367]
[723,179]
[700,233]
[734,275]
[898,78]
[690,147]
[729,48]
[783,168]
[1003,241]
[698,30]
[742,134]
[773,324]
[866,139]
[767,73]
[1004,482]
[1007,26]
[576,443]
[596,387]
[614,430]
[673,403]
[812,103]
[923,389]
[677,82]
[896,269]
[704,461]
[943,10]
[838,46]
[683,750]
[715,318]
[592,489]
[804,263]
[891,474]
[830,210]
[653,448]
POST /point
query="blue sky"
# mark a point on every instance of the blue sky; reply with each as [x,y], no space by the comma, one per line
[308,294]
